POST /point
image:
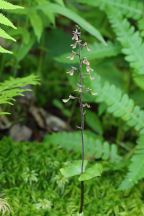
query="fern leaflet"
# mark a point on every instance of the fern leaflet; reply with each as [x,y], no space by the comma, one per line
[118,104]
[132,8]
[5,35]
[8,6]
[132,45]
[98,51]
[136,168]
[3,50]
[11,88]
[95,146]
[5,21]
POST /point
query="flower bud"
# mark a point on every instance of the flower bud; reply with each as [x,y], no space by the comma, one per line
[85,61]
[71,57]
[88,68]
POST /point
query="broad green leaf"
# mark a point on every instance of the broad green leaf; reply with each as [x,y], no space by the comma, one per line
[24,49]
[60,2]
[21,33]
[49,15]
[106,150]
[73,169]
[55,8]
[36,23]
[94,171]
[93,122]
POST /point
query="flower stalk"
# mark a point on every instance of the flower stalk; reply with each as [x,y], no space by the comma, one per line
[79,44]
[82,130]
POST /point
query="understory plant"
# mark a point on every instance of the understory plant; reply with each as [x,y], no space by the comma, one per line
[75,168]
[118,116]
[12,87]
[114,126]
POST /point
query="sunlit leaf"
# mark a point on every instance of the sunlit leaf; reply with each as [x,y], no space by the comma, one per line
[94,171]
[73,169]
[49,7]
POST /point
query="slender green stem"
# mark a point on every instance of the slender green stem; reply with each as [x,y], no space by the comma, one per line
[82,197]
[82,130]
[82,111]
[41,57]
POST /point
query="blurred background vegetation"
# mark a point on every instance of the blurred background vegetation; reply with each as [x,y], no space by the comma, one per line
[31,159]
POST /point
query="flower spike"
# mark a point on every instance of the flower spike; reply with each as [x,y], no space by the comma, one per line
[78,44]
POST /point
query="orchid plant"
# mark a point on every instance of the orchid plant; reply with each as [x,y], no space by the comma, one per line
[78,167]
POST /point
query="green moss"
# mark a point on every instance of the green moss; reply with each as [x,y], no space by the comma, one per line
[30,179]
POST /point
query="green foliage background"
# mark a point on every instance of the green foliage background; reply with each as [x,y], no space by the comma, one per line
[114,135]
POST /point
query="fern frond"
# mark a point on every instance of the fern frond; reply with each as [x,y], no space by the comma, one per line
[140,24]
[132,44]
[136,167]
[118,104]
[95,146]
[5,35]
[132,8]
[3,50]
[98,50]
[8,6]
[5,21]
[11,88]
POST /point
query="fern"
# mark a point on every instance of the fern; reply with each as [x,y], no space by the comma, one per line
[8,6]
[140,24]
[11,88]
[98,51]
[3,50]
[136,167]
[95,146]
[5,21]
[132,45]
[129,8]
[118,104]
